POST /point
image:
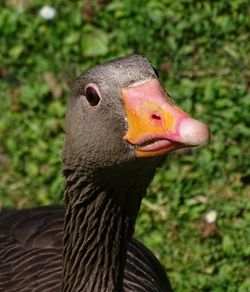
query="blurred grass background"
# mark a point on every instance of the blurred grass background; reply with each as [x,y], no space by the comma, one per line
[202,50]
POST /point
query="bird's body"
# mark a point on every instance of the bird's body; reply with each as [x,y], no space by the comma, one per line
[31,255]
[119,125]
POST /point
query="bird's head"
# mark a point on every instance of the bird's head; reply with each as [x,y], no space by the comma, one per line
[119,115]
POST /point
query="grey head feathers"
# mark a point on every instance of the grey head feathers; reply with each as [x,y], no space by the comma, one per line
[94,134]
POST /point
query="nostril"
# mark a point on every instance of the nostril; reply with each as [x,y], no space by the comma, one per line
[155,117]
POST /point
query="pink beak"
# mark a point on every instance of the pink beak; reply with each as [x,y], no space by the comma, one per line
[155,125]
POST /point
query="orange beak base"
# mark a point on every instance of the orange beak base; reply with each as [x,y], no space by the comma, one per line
[155,125]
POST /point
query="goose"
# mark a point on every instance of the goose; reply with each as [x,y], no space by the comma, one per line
[120,124]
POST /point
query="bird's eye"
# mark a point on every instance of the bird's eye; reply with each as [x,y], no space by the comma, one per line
[156,72]
[92,96]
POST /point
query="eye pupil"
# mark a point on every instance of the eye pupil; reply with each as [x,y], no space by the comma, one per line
[92,96]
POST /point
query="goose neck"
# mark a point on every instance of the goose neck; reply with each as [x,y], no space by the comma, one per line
[99,222]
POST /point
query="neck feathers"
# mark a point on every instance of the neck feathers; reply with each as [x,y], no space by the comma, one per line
[97,229]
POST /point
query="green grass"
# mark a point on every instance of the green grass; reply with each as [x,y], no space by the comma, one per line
[202,51]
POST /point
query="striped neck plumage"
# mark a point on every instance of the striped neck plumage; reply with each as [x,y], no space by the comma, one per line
[98,227]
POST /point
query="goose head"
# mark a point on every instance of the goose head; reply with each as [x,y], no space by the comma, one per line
[122,123]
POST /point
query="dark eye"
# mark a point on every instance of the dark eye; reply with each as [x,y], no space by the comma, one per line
[92,96]
[156,72]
